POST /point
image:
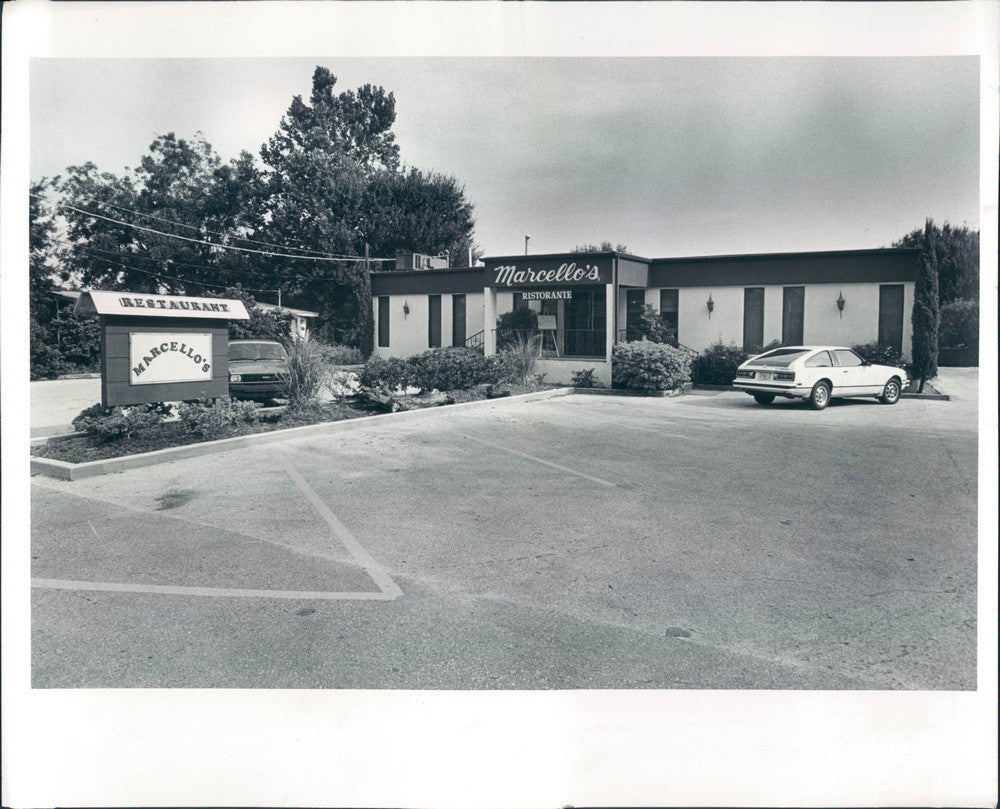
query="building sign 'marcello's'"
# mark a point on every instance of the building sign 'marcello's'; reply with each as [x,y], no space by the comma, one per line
[534,272]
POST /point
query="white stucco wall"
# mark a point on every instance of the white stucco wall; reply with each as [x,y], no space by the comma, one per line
[822,322]
[408,332]
[560,371]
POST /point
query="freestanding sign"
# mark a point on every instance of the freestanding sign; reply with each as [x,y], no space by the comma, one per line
[162,348]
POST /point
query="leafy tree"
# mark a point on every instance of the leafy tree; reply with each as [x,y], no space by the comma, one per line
[605,247]
[957,252]
[925,311]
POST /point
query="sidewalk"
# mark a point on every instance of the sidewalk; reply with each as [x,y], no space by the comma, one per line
[962,384]
[56,402]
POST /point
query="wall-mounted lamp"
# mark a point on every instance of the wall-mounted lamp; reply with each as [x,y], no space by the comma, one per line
[406,309]
[710,305]
[840,303]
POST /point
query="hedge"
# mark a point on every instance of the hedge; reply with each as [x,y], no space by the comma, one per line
[646,366]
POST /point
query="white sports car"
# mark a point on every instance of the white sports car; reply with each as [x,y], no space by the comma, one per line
[817,373]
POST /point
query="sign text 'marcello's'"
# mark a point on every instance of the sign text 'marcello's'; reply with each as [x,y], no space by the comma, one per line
[167,303]
[510,275]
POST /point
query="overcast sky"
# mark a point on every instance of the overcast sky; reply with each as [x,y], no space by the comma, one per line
[670,156]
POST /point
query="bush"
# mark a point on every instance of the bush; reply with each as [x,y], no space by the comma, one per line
[584,378]
[520,324]
[651,326]
[215,418]
[343,355]
[649,366]
[116,423]
[717,364]
[516,362]
[456,368]
[309,371]
[879,355]
[391,373]
[959,325]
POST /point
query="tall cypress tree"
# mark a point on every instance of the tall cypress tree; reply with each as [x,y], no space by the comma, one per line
[925,311]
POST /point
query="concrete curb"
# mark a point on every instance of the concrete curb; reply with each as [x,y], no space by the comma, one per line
[685,388]
[78,471]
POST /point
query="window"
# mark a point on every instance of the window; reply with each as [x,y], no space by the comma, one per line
[635,300]
[890,316]
[520,302]
[792,315]
[846,358]
[434,321]
[753,318]
[383,321]
[669,307]
[821,359]
[458,320]
[780,357]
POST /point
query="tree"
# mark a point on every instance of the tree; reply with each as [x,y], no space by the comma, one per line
[925,310]
[957,251]
[604,248]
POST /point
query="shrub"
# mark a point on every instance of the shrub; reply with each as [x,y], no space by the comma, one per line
[879,355]
[651,326]
[343,355]
[116,423]
[215,418]
[959,325]
[455,368]
[926,311]
[584,378]
[309,371]
[717,364]
[520,324]
[391,373]
[516,362]
[649,366]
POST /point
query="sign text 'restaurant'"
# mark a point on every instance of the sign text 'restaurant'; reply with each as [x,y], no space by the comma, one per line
[548,295]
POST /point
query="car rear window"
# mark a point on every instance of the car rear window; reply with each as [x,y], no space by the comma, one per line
[780,357]
[256,351]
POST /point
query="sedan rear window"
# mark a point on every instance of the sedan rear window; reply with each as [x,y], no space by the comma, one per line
[256,351]
[780,357]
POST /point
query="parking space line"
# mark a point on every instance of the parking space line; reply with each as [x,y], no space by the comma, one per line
[542,461]
[209,592]
[382,579]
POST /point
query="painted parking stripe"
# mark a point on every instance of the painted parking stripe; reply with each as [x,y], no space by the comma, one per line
[542,461]
[387,588]
[210,592]
[379,575]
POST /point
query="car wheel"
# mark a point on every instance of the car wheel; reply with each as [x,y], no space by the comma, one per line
[820,396]
[763,398]
[890,394]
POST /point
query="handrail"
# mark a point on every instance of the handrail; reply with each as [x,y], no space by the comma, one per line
[476,340]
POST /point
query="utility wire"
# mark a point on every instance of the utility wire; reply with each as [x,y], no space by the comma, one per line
[269,253]
[174,278]
[215,232]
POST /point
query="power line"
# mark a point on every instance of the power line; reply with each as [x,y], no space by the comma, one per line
[174,278]
[215,232]
[269,253]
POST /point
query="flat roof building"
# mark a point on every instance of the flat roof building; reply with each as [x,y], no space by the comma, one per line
[587,302]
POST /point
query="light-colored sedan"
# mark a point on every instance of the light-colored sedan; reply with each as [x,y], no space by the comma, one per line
[817,374]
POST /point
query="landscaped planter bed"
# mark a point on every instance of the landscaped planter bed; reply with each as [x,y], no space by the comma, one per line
[85,448]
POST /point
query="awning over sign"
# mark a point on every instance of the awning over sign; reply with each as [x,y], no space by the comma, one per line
[99,302]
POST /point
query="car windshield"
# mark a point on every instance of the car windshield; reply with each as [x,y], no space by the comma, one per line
[780,357]
[256,351]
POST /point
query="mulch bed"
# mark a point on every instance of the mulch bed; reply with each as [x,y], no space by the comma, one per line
[83,447]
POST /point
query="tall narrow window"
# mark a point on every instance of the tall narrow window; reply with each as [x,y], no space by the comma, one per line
[434,321]
[458,320]
[635,300]
[669,307]
[793,315]
[383,321]
[890,316]
[753,318]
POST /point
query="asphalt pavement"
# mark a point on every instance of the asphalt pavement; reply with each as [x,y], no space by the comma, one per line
[701,541]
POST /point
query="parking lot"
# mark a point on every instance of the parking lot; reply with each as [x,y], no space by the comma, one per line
[583,541]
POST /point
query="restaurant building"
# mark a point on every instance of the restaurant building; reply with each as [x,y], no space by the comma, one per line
[587,302]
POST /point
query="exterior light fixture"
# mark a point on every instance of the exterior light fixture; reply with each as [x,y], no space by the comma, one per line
[840,303]
[710,305]
[406,309]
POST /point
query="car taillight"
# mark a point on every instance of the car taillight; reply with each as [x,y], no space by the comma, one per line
[785,376]
[744,373]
